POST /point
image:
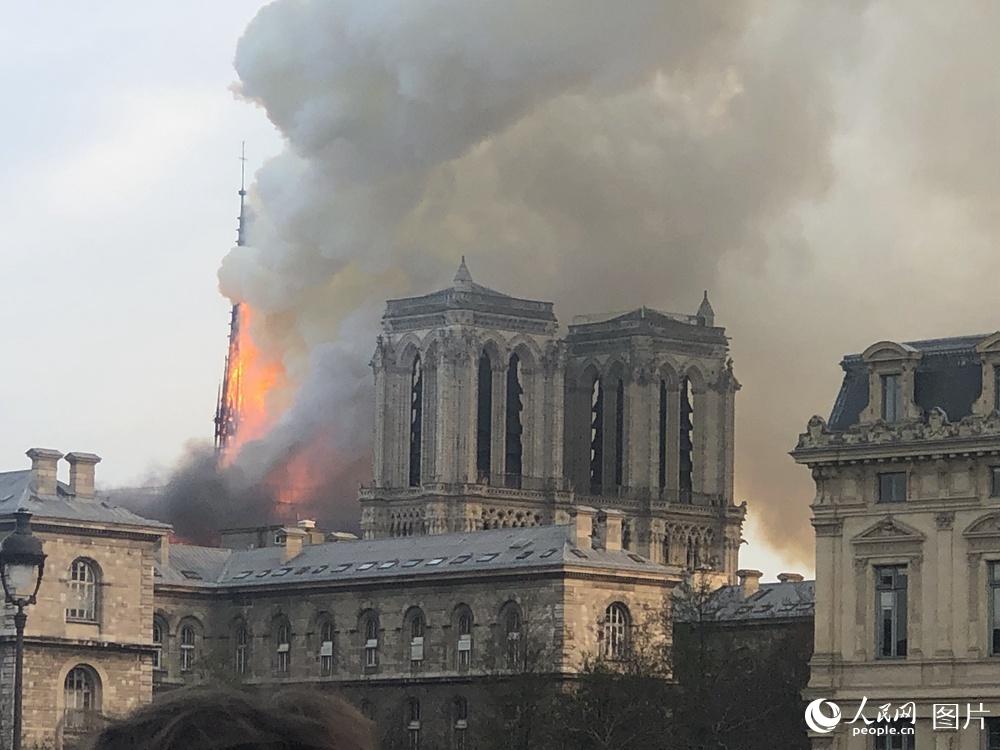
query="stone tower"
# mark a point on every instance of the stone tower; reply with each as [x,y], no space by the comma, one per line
[486,418]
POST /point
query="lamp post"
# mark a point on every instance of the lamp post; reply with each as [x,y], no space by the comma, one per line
[22,563]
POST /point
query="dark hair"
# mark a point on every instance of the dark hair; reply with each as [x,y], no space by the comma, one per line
[216,719]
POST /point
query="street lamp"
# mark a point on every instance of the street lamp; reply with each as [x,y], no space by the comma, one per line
[22,563]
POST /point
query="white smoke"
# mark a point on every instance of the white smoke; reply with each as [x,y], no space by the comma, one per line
[603,155]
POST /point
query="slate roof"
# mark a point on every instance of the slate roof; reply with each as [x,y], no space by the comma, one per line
[949,376]
[16,494]
[773,601]
[368,559]
[643,321]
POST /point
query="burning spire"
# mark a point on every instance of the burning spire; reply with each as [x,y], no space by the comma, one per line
[230,404]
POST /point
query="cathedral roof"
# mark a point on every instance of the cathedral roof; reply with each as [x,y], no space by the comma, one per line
[949,376]
[540,547]
[16,493]
[463,295]
[644,321]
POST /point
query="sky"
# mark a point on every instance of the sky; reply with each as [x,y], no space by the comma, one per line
[827,171]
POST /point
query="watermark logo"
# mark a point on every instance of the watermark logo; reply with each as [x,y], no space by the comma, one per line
[820,722]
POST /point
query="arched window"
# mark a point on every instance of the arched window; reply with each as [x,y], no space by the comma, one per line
[665,548]
[620,433]
[513,635]
[188,654]
[514,428]
[686,428]
[370,630]
[282,645]
[484,419]
[463,647]
[415,625]
[416,420]
[596,436]
[413,722]
[617,624]
[459,723]
[81,697]
[242,652]
[692,552]
[662,448]
[326,647]
[159,631]
[83,581]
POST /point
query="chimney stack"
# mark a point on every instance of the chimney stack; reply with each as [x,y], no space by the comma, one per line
[44,465]
[294,539]
[583,523]
[790,577]
[749,581]
[81,473]
[609,530]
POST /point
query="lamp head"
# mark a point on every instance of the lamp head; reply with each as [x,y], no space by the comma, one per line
[22,562]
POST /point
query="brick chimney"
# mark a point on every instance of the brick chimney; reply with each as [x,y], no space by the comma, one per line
[609,530]
[583,522]
[44,465]
[81,473]
[790,577]
[749,581]
[294,539]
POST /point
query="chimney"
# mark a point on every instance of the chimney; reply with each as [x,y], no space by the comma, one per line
[163,550]
[81,473]
[583,523]
[294,538]
[790,577]
[609,530]
[749,581]
[44,464]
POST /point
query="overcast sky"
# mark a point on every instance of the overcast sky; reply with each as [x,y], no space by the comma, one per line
[120,138]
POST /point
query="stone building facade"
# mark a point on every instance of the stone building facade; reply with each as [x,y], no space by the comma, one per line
[487,418]
[907,520]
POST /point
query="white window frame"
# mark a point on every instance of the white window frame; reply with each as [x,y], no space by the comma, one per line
[283,647]
[81,697]
[242,647]
[158,629]
[83,580]
[616,625]
[187,649]
[326,648]
[371,643]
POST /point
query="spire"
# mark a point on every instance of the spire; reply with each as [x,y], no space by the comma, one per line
[463,279]
[705,314]
[240,240]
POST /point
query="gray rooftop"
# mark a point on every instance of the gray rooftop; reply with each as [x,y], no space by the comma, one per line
[949,376]
[16,494]
[644,321]
[772,601]
[365,559]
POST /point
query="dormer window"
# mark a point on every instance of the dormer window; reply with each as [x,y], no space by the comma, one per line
[892,398]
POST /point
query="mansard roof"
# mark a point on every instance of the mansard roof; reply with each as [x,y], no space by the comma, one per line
[540,547]
[464,295]
[644,321]
[949,376]
[782,600]
[16,493]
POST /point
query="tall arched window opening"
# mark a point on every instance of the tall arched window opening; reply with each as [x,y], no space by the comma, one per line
[413,723]
[514,428]
[326,648]
[82,591]
[82,698]
[686,463]
[371,641]
[484,419]
[464,645]
[242,650]
[283,646]
[416,420]
[596,436]
[513,627]
[662,479]
[158,632]
[187,648]
[460,723]
[616,631]
[620,433]
[416,625]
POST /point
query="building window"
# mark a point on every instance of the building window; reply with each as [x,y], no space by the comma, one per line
[187,648]
[665,548]
[596,436]
[464,645]
[371,642]
[82,697]
[415,621]
[615,637]
[890,584]
[686,446]
[993,734]
[626,535]
[484,420]
[242,650]
[995,608]
[416,420]
[662,478]
[513,636]
[897,741]
[892,398]
[158,631]
[512,467]
[459,723]
[283,646]
[620,433]
[413,723]
[892,487]
[326,648]
[995,481]
[82,591]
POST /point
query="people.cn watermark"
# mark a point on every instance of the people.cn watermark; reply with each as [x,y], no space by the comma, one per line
[823,716]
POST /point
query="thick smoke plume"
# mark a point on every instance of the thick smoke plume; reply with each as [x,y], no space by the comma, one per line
[602,155]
